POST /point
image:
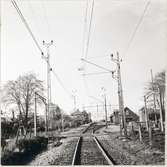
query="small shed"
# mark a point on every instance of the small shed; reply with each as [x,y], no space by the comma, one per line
[130,116]
[115,117]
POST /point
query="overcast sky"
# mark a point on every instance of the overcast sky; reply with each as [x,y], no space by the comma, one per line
[113,24]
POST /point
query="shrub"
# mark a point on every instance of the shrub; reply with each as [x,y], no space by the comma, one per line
[3,143]
[41,129]
[66,125]
[8,129]
[29,148]
[33,145]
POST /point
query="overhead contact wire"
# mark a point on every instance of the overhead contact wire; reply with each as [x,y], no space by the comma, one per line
[26,25]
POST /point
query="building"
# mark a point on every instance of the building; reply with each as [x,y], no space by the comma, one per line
[115,117]
[89,117]
[54,117]
[129,114]
[151,114]
[82,117]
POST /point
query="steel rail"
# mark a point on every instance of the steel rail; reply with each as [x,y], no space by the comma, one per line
[86,129]
[107,158]
[103,152]
[75,152]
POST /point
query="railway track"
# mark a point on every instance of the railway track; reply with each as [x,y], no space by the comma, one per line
[92,128]
[89,151]
[81,149]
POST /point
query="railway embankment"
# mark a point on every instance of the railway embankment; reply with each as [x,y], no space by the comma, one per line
[132,151]
[121,152]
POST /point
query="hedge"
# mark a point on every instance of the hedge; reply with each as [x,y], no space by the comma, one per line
[28,148]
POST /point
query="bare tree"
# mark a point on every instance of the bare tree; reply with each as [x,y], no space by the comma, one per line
[21,93]
[158,86]
[160,81]
[55,117]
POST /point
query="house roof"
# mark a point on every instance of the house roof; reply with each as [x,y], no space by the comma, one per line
[76,113]
[129,113]
[149,110]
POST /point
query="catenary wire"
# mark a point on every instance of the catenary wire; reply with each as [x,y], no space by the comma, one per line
[61,83]
[46,18]
[137,26]
[83,47]
[26,25]
[33,16]
[89,30]
[84,29]
[32,35]
[96,65]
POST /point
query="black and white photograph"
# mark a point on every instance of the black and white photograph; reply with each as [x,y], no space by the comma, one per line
[83,82]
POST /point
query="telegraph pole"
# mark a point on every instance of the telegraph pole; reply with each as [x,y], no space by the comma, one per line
[47,58]
[35,117]
[83,107]
[62,121]
[13,115]
[74,97]
[153,96]
[161,115]
[146,113]
[105,111]
[120,91]
[44,101]
[105,107]
[75,102]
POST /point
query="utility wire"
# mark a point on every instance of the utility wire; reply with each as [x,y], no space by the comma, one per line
[96,73]
[96,99]
[46,18]
[33,16]
[96,65]
[85,84]
[86,87]
[89,31]
[33,37]
[84,29]
[96,57]
[115,105]
[26,25]
[137,26]
[83,48]
[85,53]
[61,83]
